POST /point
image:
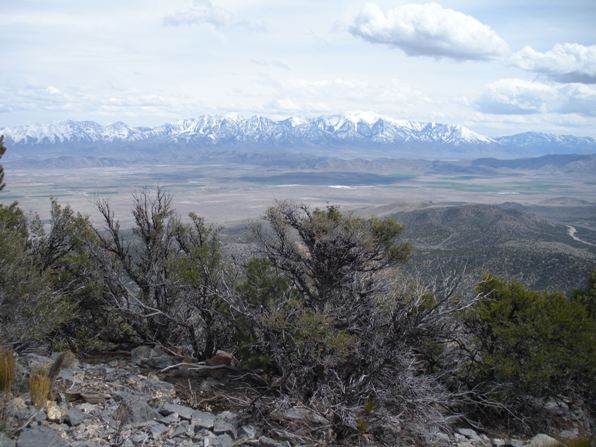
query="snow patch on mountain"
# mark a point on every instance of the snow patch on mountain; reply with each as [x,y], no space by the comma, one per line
[356,127]
[351,130]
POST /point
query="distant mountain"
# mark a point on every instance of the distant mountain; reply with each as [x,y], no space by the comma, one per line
[353,133]
[549,143]
[508,239]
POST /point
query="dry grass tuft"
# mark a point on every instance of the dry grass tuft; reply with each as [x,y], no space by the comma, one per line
[39,387]
[578,442]
[7,370]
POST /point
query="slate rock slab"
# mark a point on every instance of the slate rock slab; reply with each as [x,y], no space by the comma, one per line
[40,436]
[180,410]
[74,417]
[203,419]
[5,441]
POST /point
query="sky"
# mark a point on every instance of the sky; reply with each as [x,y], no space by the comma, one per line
[496,66]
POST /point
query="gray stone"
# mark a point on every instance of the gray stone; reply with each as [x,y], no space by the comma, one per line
[5,441]
[33,361]
[156,388]
[441,438]
[182,430]
[151,357]
[74,417]
[248,432]
[157,430]
[169,420]
[468,433]
[134,409]
[70,375]
[466,436]
[139,438]
[40,436]
[160,361]
[557,408]
[40,416]
[87,407]
[223,441]
[302,414]
[226,422]
[264,441]
[203,419]
[182,411]
[542,440]
[569,434]
[137,355]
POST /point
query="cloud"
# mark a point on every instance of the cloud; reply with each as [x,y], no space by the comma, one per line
[204,12]
[429,30]
[39,98]
[201,12]
[323,96]
[567,62]
[274,63]
[520,97]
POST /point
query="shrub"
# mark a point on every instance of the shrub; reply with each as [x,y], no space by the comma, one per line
[587,295]
[165,280]
[39,387]
[199,270]
[324,308]
[31,308]
[7,370]
[526,343]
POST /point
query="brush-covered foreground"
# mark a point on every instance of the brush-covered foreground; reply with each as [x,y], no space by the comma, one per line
[320,317]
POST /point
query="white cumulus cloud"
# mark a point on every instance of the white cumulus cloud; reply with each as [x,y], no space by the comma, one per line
[429,30]
[567,62]
[520,97]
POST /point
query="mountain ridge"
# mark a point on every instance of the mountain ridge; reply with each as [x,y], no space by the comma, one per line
[351,130]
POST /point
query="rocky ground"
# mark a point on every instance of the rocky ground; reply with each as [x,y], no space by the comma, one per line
[133,402]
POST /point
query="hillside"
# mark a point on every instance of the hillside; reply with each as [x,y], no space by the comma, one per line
[506,239]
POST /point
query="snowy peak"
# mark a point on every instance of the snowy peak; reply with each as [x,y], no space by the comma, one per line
[364,131]
[350,128]
[531,139]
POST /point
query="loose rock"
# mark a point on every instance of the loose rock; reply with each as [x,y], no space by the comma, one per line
[226,422]
[134,409]
[203,420]
[302,414]
[542,440]
[182,411]
[5,441]
[74,417]
[40,436]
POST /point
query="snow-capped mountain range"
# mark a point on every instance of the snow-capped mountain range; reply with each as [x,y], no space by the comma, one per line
[353,131]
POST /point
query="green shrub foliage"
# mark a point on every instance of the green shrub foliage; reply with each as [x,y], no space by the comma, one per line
[199,269]
[587,295]
[166,280]
[322,307]
[527,343]
[31,306]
